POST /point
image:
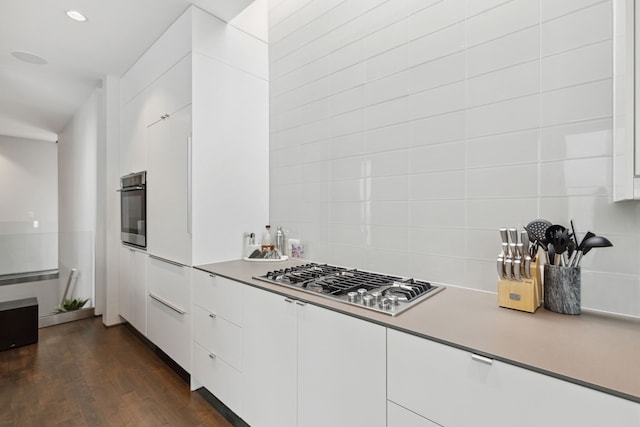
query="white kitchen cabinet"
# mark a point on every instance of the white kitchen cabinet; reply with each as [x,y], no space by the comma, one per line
[269,359]
[452,387]
[133,288]
[168,309]
[306,366]
[169,188]
[217,337]
[397,416]
[133,148]
[169,93]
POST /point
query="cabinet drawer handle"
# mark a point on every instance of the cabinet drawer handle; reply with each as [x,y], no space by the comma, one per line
[168,304]
[212,356]
[289,300]
[482,359]
[213,316]
[177,264]
[300,303]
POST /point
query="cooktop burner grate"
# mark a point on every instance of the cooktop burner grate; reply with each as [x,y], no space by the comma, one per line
[380,292]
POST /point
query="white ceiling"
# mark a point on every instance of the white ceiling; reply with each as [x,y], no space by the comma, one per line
[37,101]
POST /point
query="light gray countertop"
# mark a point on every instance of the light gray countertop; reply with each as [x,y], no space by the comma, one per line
[596,350]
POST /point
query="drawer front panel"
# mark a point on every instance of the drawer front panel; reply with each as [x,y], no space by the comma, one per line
[218,295]
[218,377]
[218,336]
[170,283]
[170,331]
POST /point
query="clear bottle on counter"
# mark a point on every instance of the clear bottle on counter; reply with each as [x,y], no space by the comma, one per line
[280,241]
[267,239]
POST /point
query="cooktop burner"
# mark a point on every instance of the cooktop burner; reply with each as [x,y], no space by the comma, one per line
[384,293]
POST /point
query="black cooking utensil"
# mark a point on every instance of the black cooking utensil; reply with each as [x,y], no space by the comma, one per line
[595,242]
[537,229]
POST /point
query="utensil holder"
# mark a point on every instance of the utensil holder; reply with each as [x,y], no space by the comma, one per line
[523,295]
[562,289]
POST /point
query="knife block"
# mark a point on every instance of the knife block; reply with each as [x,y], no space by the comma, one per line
[524,295]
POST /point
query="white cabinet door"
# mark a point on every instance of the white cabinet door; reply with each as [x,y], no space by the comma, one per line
[269,359]
[342,365]
[397,416]
[133,136]
[169,189]
[442,380]
[139,294]
[125,288]
[217,376]
[170,92]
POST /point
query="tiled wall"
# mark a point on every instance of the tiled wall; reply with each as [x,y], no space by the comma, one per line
[404,133]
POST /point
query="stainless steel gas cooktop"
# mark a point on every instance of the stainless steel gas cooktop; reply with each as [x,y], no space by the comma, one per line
[385,294]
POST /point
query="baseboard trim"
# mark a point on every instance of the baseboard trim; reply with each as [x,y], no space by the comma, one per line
[69,316]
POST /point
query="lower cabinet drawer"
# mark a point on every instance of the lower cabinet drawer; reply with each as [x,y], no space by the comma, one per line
[218,377]
[170,330]
[397,416]
[219,336]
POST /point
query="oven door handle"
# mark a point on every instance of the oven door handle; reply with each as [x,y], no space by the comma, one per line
[124,190]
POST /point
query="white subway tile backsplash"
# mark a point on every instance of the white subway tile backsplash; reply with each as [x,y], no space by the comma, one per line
[388,163]
[439,72]
[579,177]
[388,188]
[504,19]
[442,128]
[388,138]
[502,117]
[519,80]
[347,145]
[497,213]
[389,62]
[441,100]
[503,149]
[586,26]
[506,181]
[582,65]
[575,103]
[386,113]
[591,138]
[438,241]
[438,213]
[437,45]
[438,157]
[438,186]
[515,48]
[436,17]
[386,88]
[404,133]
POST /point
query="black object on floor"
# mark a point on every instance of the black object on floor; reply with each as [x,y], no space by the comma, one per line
[18,323]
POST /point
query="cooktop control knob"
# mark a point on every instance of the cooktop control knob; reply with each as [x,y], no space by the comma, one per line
[385,304]
[393,300]
[353,296]
[362,292]
[376,295]
[368,300]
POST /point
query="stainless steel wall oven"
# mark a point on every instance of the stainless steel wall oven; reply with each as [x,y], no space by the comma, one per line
[133,209]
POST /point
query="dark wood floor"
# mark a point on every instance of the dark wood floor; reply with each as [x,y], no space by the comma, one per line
[84,374]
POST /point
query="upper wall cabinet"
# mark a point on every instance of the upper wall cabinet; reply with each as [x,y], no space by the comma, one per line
[133,148]
[626,114]
[169,93]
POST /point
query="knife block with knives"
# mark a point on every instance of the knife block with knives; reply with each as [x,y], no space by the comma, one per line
[519,278]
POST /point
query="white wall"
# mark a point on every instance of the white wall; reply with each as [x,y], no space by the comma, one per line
[405,133]
[77,186]
[29,214]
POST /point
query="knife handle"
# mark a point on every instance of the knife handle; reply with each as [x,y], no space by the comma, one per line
[504,237]
[508,268]
[513,233]
[527,267]
[505,249]
[524,239]
[514,249]
[500,267]
[520,249]
[516,269]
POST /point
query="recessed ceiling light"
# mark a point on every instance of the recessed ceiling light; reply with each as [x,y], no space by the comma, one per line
[31,58]
[76,16]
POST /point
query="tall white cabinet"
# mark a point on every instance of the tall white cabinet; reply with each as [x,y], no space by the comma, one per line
[194,115]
